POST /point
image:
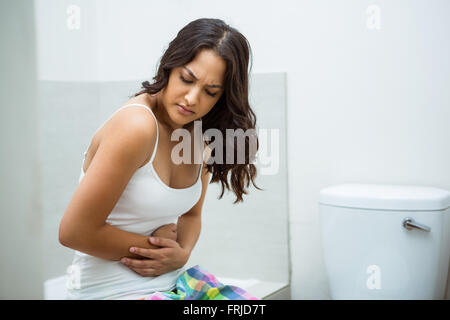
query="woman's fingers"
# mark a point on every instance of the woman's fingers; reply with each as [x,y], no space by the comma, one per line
[155,254]
[163,242]
[158,261]
[136,263]
[146,268]
[147,253]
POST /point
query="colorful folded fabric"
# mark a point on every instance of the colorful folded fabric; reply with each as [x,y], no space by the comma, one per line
[198,284]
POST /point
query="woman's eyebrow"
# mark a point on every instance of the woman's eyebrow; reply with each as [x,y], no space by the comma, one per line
[193,76]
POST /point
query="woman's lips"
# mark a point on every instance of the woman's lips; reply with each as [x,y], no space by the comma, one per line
[184,110]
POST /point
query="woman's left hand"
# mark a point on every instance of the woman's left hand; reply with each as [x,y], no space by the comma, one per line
[170,256]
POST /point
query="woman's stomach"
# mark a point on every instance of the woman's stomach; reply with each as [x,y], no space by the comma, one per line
[90,277]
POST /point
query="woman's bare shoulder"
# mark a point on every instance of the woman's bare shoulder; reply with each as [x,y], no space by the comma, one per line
[133,122]
[136,123]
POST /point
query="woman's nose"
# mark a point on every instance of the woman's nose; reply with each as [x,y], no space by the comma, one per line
[192,97]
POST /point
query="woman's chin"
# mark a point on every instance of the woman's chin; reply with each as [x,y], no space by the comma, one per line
[181,120]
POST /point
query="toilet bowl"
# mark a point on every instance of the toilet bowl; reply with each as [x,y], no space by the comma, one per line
[385,241]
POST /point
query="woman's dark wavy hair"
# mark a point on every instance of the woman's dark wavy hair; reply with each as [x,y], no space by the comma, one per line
[232,110]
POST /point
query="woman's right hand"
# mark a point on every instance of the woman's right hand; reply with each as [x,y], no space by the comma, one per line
[168,231]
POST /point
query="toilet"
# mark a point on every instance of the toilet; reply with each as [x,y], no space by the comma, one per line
[385,241]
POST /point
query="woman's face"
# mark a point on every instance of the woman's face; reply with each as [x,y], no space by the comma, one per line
[196,86]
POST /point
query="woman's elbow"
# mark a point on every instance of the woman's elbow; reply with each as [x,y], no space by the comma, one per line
[68,235]
[64,236]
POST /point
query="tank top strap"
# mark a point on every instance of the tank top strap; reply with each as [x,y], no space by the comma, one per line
[154,117]
[157,128]
[202,156]
[200,172]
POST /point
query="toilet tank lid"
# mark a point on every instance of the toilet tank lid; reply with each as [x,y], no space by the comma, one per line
[385,197]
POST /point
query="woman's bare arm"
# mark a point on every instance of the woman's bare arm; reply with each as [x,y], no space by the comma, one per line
[111,243]
[190,223]
[124,147]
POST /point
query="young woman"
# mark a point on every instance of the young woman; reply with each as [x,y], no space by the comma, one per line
[130,188]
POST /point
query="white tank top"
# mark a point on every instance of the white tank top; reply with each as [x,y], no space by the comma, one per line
[145,204]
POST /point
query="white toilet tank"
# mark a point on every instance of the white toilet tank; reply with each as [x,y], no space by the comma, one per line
[385,241]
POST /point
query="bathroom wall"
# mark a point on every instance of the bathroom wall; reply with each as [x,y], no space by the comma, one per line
[20,168]
[367,101]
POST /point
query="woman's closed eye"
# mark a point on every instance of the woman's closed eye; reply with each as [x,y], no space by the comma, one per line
[187,81]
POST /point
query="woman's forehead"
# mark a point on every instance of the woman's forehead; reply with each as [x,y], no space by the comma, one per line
[211,85]
[207,66]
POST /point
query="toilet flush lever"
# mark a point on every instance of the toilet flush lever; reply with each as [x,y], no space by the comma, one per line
[410,224]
